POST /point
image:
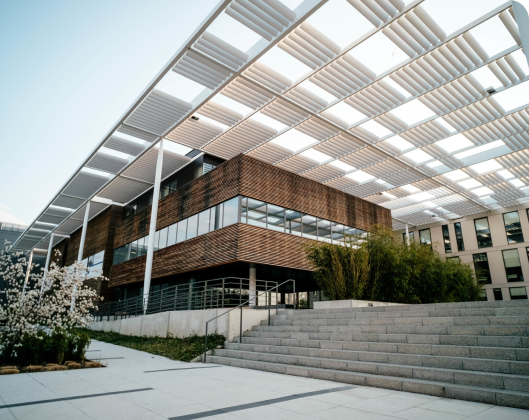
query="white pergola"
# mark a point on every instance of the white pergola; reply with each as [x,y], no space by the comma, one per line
[383,99]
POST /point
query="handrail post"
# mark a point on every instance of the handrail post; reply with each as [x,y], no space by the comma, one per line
[240,336]
[175,297]
[206,343]
[269,302]
[223,293]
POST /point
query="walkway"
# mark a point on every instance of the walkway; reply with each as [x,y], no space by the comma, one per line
[137,385]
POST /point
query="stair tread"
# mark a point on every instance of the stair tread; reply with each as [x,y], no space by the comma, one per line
[510,375]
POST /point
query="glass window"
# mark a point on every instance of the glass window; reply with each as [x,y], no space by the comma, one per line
[459,237]
[171,235]
[213,218]
[513,269]
[349,233]
[145,244]
[231,212]
[192,224]
[203,222]
[126,252]
[181,231]
[483,232]
[244,210]
[446,239]
[256,213]
[133,249]
[162,243]
[337,233]
[513,228]
[309,226]
[497,294]
[518,293]
[156,240]
[425,237]
[411,234]
[119,255]
[324,230]
[276,218]
[455,259]
[482,294]
[481,266]
[142,247]
[293,219]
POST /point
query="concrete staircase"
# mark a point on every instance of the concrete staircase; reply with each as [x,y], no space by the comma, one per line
[475,351]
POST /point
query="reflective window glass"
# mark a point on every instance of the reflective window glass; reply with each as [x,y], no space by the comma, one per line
[118,255]
[181,231]
[212,218]
[156,240]
[293,219]
[446,239]
[142,247]
[513,228]
[309,226]
[244,209]
[133,249]
[349,233]
[513,269]
[276,218]
[256,213]
[483,232]
[459,237]
[171,235]
[192,224]
[324,230]
[162,243]
[497,294]
[126,252]
[455,259]
[482,294]
[203,222]
[337,233]
[425,237]
[481,266]
[219,216]
[231,212]
[518,293]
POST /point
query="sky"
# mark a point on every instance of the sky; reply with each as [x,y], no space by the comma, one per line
[68,71]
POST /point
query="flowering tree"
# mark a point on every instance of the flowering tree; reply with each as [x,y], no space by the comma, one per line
[42,305]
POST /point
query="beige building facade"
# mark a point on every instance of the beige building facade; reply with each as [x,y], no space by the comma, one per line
[495,243]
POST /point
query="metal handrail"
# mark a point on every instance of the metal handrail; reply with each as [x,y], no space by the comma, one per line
[241,306]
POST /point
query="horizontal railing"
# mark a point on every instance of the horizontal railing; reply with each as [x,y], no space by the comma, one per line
[227,292]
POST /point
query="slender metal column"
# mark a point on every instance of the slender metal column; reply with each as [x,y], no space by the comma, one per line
[81,245]
[152,227]
[47,266]
[252,287]
[28,272]
[407,234]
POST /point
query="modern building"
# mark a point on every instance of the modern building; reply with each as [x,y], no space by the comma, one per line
[10,232]
[281,121]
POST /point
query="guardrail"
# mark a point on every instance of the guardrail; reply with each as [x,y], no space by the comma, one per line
[255,298]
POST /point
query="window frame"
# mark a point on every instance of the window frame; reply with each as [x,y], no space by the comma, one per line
[506,231]
[447,242]
[480,242]
[489,277]
[460,241]
[520,276]
[430,235]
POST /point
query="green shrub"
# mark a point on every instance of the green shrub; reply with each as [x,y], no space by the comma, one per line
[43,348]
[382,267]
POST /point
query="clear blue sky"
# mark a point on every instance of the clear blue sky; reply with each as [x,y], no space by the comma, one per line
[68,70]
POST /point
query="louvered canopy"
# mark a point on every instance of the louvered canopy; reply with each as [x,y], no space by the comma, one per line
[391,101]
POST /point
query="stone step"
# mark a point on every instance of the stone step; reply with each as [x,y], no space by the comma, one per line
[425,321]
[503,397]
[484,351]
[425,307]
[462,377]
[355,313]
[358,331]
[376,354]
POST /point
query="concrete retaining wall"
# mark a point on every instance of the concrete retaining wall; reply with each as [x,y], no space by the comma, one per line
[185,323]
[334,304]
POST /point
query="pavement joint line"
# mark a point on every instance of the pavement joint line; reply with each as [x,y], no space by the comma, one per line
[165,370]
[77,397]
[109,358]
[234,408]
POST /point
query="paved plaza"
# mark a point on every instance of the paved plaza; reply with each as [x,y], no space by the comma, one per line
[138,385]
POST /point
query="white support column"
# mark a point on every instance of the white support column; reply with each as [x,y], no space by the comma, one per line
[253,285]
[407,234]
[152,226]
[47,266]
[28,272]
[81,244]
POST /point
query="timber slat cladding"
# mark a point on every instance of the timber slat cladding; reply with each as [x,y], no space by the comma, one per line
[248,176]
[239,242]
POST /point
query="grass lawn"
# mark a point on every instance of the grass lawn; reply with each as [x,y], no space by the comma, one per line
[184,349]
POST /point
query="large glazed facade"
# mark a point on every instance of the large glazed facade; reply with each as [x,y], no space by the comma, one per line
[242,212]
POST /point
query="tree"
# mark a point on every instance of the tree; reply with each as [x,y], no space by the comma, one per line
[379,266]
